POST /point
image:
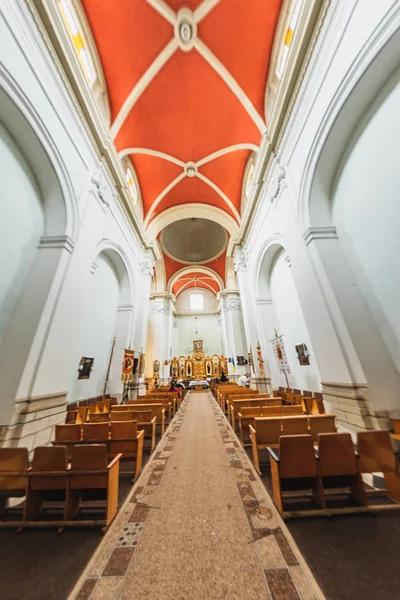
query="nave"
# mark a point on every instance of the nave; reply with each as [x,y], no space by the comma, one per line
[198,524]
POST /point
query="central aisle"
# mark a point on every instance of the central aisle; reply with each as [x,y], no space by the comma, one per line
[198,525]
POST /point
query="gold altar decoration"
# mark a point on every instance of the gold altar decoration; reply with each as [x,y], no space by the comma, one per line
[198,365]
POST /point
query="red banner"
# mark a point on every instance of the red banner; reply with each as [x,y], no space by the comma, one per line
[127,366]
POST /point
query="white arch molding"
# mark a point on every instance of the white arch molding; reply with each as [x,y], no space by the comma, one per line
[195,210]
[371,69]
[190,269]
[122,265]
[265,260]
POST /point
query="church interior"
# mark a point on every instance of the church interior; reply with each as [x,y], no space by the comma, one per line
[200,299]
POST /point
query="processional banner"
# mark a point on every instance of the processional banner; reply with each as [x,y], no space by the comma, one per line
[127,366]
[280,354]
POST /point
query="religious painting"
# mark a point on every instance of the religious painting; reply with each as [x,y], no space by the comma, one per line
[208,368]
[85,367]
[188,369]
[241,361]
[127,366]
[198,345]
[142,363]
[280,354]
[156,369]
[303,354]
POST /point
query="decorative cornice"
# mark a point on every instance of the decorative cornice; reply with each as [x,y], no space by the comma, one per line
[126,307]
[161,304]
[146,266]
[101,190]
[240,259]
[278,183]
[57,241]
[319,233]
[263,302]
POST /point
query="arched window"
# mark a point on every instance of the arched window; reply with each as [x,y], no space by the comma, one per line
[285,35]
[79,33]
[248,180]
[292,19]
[132,184]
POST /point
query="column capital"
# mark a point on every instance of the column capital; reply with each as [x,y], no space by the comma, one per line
[146,265]
[230,300]
[161,303]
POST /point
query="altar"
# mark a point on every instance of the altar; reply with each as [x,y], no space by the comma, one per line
[199,385]
[198,365]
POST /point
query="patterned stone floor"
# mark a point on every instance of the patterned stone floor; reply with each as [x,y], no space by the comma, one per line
[198,524]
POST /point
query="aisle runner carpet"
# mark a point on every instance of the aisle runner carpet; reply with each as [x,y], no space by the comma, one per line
[199,524]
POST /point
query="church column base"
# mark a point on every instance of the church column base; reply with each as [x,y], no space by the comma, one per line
[352,406]
[34,419]
[261,384]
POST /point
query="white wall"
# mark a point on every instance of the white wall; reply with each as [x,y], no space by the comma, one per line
[209,329]
[98,322]
[367,211]
[21,224]
[290,322]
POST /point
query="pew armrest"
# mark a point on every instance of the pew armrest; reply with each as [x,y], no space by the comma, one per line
[273,454]
[114,461]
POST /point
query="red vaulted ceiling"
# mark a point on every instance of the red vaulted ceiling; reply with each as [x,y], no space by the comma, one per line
[217,266]
[186,110]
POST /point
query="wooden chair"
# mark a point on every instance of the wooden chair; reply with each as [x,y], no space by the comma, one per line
[128,441]
[14,464]
[95,432]
[338,466]
[295,470]
[264,434]
[92,478]
[48,480]
[100,417]
[295,425]
[377,456]
[321,424]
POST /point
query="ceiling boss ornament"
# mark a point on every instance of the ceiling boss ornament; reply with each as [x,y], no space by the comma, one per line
[185,30]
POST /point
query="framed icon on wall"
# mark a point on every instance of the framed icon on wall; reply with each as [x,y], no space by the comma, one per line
[85,367]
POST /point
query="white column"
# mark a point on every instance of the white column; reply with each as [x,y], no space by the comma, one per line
[160,325]
[233,328]
[251,325]
[143,279]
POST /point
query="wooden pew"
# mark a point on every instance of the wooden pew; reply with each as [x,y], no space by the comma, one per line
[396,428]
[92,478]
[377,456]
[127,440]
[14,464]
[105,433]
[321,424]
[102,417]
[265,433]
[241,394]
[236,403]
[48,481]
[165,403]
[148,423]
[295,470]
[339,467]
[157,410]
[247,415]
[297,425]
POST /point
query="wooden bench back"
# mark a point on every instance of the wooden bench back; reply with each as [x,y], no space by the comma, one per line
[13,460]
[124,430]
[89,467]
[297,456]
[336,454]
[156,409]
[95,431]
[121,415]
[321,424]
[68,433]
[47,464]
[239,403]
[296,409]
[102,417]
[376,452]
[81,416]
[142,416]
[119,407]
[396,425]
[295,425]
[250,411]
[268,430]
